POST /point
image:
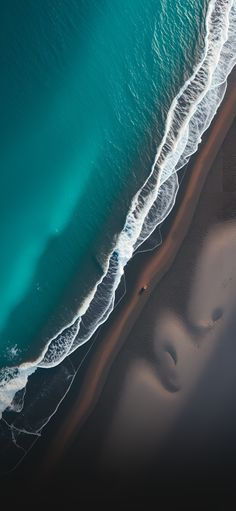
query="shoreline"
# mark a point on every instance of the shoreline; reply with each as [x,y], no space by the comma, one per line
[154,264]
[213,60]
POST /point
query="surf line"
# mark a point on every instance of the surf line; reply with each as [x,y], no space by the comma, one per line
[114,333]
[173,152]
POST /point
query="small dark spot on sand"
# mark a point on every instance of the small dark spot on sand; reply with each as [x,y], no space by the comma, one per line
[217,313]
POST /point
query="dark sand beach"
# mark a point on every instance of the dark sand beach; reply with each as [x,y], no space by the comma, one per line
[141,407]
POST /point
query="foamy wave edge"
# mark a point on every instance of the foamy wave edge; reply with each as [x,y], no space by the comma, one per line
[190,114]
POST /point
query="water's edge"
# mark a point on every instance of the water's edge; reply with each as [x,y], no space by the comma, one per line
[190,115]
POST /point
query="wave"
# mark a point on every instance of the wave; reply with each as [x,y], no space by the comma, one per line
[190,114]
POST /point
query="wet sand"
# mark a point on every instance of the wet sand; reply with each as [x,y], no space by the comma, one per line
[171,394]
[145,269]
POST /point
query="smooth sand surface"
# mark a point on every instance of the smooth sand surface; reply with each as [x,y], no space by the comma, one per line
[155,389]
[116,331]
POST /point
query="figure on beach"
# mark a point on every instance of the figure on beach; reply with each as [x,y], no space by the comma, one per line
[143,288]
[156,389]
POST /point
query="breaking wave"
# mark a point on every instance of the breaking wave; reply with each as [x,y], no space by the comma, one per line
[190,114]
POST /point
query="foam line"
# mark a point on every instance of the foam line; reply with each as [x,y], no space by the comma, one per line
[190,114]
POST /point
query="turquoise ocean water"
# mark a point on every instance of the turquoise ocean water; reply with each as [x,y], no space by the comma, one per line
[102,102]
[85,89]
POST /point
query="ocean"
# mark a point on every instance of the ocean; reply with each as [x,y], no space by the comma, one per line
[102,102]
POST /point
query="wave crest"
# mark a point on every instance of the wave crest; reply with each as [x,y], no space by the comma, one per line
[190,114]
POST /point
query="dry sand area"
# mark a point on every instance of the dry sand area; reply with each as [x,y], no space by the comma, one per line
[172,388]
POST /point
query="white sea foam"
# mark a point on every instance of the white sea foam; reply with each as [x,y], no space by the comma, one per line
[190,114]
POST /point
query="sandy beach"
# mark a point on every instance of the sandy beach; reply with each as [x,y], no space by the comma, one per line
[145,405]
[144,270]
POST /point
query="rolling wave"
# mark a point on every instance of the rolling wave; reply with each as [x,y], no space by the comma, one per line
[190,114]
